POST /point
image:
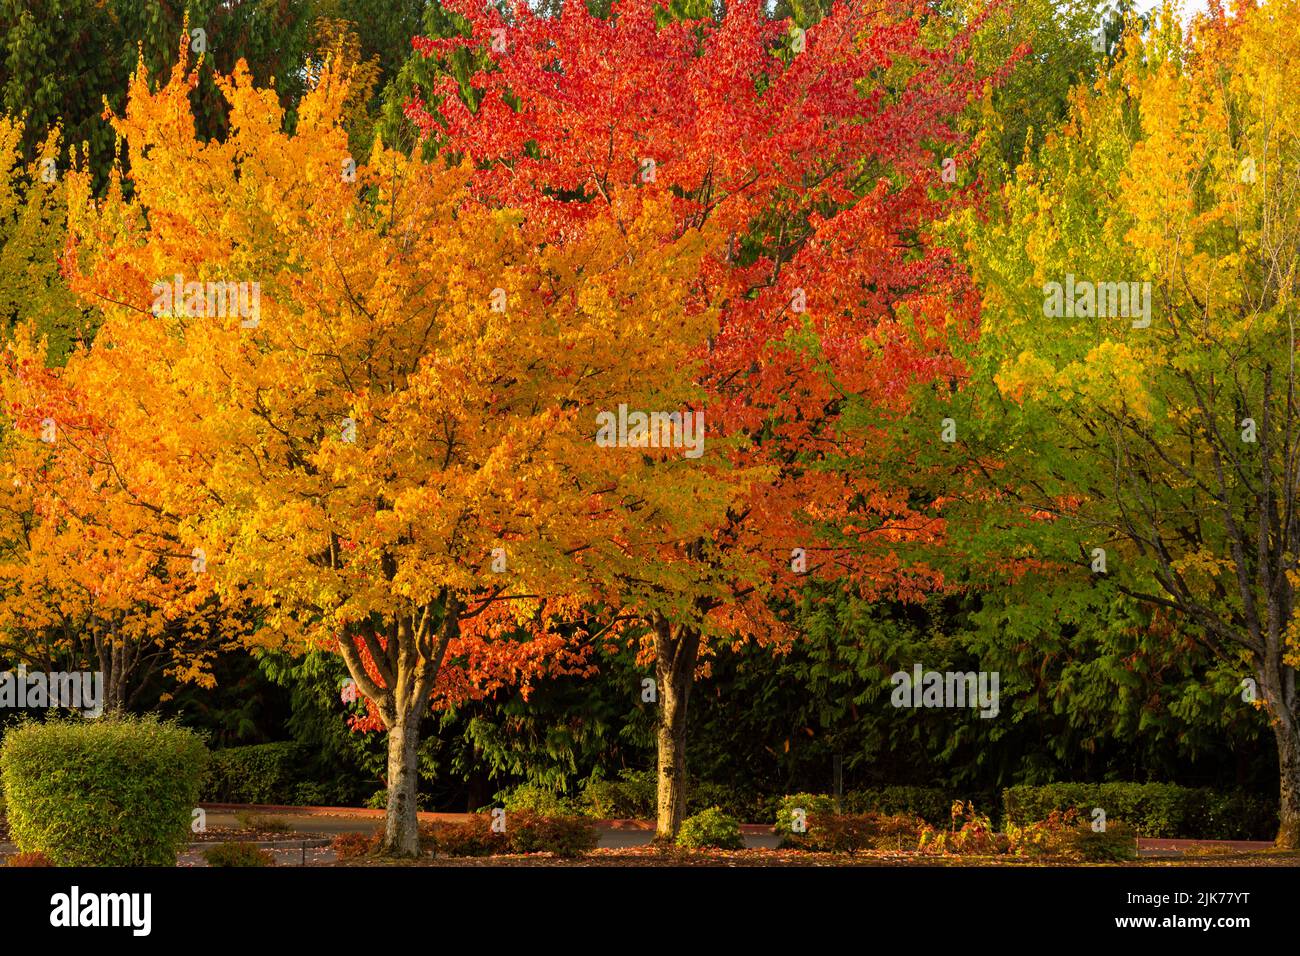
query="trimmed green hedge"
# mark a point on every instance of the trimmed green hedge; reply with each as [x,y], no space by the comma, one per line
[262,773]
[108,792]
[1152,809]
[931,804]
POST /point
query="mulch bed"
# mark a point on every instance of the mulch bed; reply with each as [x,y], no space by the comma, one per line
[650,856]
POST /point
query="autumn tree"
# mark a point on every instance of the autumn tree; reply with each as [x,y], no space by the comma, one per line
[1132,407]
[60,59]
[91,572]
[818,155]
[33,217]
[372,402]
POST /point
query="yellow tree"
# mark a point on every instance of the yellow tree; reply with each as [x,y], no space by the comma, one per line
[1136,374]
[32,233]
[72,594]
[376,406]
[92,575]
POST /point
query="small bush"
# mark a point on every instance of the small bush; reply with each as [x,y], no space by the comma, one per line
[475,837]
[108,792]
[262,823]
[710,828]
[35,858]
[969,832]
[812,804]
[350,846]
[851,833]
[528,832]
[633,796]
[238,854]
[931,804]
[1063,835]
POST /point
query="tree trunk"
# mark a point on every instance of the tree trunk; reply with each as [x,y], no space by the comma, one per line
[1288,758]
[408,660]
[676,651]
[115,664]
[1278,683]
[401,825]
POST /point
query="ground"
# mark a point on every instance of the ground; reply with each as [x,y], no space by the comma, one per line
[300,837]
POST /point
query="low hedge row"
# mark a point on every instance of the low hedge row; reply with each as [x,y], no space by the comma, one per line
[275,773]
[1152,809]
[930,804]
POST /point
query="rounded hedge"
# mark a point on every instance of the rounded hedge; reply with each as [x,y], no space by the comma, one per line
[710,829]
[107,792]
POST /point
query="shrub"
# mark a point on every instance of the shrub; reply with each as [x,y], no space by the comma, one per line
[35,858]
[262,773]
[536,799]
[969,832]
[710,828]
[633,796]
[528,832]
[1063,835]
[109,792]
[474,837]
[931,804]
[238,854]
[812,804]
[850,833]
[1151,809]
[349,846]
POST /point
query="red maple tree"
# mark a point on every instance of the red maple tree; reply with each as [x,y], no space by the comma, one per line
[818,155]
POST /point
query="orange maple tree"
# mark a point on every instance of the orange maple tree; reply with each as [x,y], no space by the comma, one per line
[371,400]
